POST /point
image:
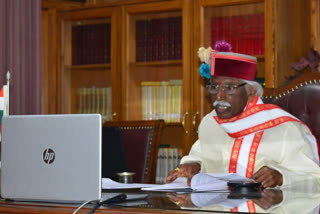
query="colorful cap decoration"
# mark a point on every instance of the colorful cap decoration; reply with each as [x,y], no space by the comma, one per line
[222,62]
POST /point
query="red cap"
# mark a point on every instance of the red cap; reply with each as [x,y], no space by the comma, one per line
[234,65]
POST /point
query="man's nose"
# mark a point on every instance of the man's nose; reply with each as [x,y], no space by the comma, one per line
[221,95]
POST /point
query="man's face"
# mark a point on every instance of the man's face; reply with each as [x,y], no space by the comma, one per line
[235,102]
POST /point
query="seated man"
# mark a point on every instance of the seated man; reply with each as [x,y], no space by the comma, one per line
[244,136]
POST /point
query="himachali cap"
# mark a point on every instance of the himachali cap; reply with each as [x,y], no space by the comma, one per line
[229,64]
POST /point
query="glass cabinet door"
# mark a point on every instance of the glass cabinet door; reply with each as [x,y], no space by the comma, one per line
[88,60]
[156,65]
[153,69]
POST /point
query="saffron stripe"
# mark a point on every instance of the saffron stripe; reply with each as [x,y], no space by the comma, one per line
[263,126]
[235,209]
[249,112]
[235,155]
[254,120]
[251,206]
[253,102]
[252,154]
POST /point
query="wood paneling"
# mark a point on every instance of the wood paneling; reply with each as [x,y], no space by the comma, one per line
[49,63]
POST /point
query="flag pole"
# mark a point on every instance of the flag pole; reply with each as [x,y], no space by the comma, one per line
[8,77]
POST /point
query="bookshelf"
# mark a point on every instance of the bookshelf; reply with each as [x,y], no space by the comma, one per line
[88,72]
[155,65]
[153,54]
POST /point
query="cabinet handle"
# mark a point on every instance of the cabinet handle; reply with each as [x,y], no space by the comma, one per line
[194,121]
[183,122]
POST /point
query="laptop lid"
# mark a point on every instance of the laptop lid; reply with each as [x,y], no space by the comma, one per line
[51,157]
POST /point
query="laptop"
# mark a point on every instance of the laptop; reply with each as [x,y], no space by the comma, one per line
[51,157]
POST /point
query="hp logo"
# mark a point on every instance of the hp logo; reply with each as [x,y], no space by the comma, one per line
[48,156]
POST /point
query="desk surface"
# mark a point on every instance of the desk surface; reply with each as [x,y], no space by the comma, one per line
[267,201]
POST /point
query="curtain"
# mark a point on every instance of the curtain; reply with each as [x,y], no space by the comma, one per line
[20,53]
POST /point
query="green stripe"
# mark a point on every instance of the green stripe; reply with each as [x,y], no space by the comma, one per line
[1,114]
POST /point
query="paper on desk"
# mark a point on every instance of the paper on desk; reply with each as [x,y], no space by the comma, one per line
[178,184]
[200,182]
[213,198]
[107,183]
[229,176]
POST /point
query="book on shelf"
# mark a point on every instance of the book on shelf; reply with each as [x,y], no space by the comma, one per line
[159,39]
[168,159]
[161,100]
[91,44]
[79,100]
[89,96]
[95,100]
[109,104]
[245,32]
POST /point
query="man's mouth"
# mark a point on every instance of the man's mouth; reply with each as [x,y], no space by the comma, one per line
[222,108]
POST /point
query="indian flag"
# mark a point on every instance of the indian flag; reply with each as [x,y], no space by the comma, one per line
[4,103]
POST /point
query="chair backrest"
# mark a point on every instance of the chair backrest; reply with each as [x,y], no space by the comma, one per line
[113,156]
[301,98]
[141,141]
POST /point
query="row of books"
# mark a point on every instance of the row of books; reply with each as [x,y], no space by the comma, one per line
[159,39]
[161,100]
[168,159]
[91,44]
[95,100]
[245,33]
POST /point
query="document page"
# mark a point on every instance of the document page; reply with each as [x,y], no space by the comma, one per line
[107,183]
[200,182]
[180,184]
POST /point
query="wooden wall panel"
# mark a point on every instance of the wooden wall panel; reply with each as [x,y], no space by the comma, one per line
[49,63]
[292,35]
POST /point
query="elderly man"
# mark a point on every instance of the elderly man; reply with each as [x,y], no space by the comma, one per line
[244,136]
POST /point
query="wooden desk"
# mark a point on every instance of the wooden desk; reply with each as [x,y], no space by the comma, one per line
[36,208]
[269,201]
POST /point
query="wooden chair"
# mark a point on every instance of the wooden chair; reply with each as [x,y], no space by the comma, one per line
[141,141]
[301,98]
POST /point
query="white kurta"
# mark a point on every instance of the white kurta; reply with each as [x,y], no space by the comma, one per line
[284,147]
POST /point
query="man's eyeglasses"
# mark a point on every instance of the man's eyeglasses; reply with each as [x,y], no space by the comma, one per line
[228,89]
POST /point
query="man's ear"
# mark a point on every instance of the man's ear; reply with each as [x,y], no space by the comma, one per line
[252,93]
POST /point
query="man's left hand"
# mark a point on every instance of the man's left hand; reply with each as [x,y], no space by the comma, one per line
[269,197]
[268,177]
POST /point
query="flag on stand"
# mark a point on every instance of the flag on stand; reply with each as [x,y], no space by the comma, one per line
[4,101]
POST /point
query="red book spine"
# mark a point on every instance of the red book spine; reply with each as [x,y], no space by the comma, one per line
[261,34]
[171,39]
[140,40]
[149,42]
[178,38]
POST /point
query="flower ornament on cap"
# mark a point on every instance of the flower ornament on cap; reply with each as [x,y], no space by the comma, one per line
[222,62]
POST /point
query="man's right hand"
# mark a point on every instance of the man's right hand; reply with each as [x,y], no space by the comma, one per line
[184,170]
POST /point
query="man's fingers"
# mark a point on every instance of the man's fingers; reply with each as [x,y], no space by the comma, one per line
[171,178]
[189,181]
[259,173]
[183,170]
[268,177]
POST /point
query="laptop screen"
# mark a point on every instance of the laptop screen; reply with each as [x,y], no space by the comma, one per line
[51,157]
